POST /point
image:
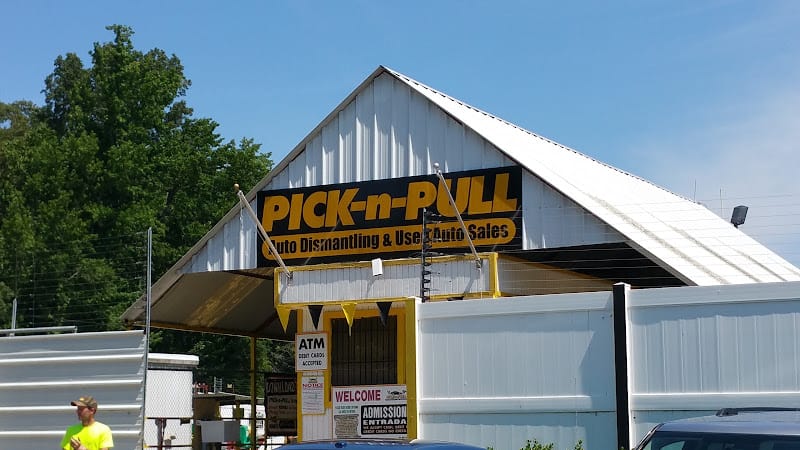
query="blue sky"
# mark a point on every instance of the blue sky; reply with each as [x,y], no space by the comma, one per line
[700,97]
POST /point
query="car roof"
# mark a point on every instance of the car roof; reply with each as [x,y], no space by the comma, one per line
[786,423]
[378,444]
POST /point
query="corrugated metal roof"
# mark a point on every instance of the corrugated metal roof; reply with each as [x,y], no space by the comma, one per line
[692,241]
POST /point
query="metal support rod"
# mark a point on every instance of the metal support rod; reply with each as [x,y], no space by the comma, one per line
[147,336]
[14,331]
[149,291]
[14,315]
[253,394]
[458,215]
[261,230]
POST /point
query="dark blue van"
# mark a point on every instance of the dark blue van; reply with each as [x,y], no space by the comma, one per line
[729,429]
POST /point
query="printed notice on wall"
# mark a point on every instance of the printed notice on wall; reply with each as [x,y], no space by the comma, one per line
[280,397]
[313,394]
[311,351]
[370,411]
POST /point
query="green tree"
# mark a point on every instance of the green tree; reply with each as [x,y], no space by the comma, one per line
[43,234]
[158,166]
[114,150]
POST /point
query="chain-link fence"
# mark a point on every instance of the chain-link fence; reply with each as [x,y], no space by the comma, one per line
[186,411]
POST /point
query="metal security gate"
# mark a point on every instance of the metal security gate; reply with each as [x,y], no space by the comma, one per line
[365,353]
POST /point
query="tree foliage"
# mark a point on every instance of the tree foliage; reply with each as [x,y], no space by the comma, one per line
[114,150]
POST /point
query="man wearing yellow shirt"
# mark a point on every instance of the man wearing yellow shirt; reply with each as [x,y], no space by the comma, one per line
[89,434]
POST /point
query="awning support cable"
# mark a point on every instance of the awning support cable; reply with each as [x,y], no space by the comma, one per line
[261,230]
[458,215]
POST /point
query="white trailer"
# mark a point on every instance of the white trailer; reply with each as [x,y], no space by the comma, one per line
[168,400]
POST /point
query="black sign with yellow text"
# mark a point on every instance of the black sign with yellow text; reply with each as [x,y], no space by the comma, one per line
[363,220]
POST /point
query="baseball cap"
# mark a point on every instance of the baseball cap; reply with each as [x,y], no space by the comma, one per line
[86,400]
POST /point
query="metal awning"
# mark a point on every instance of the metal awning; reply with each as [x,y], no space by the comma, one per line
[238,302]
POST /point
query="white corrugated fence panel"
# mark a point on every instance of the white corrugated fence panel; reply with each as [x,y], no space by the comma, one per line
[700,349]
[41,374]
[499,372]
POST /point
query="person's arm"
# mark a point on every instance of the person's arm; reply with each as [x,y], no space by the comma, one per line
[65,442]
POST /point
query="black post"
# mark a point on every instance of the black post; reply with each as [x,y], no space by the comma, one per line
[161,423]
[620,318]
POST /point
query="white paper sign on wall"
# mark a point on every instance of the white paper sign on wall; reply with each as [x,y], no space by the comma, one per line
[311,351]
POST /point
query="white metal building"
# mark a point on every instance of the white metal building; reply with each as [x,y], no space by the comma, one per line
[345,210]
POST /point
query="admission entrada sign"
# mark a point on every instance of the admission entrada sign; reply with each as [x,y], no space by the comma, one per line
[356,221]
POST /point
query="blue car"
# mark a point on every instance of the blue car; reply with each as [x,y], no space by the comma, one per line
[378,444]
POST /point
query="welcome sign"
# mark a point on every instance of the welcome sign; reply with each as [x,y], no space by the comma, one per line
[378,411]
[384,217]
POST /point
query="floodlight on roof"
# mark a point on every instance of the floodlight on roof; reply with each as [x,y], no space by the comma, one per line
[738,216]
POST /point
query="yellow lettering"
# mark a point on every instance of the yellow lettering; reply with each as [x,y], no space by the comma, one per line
[421,194]
[275,208]
[378,206]
[310,215]
[461,197]
[476,203]
[339,208]
[296,211]
[501,202]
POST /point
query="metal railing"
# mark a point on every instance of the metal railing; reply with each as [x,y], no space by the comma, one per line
[15,331]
